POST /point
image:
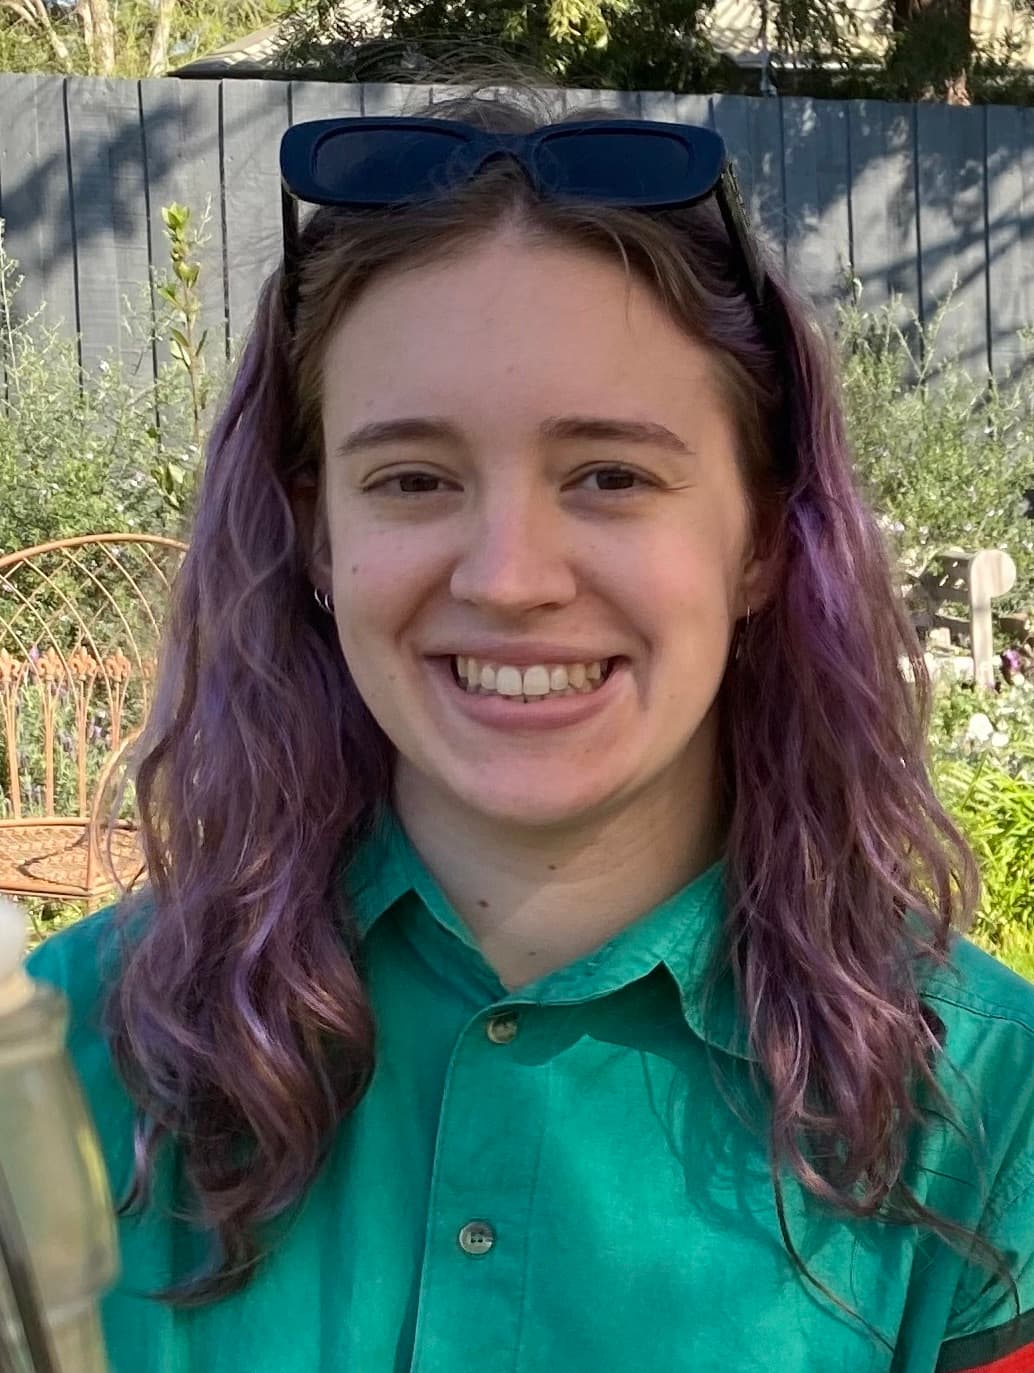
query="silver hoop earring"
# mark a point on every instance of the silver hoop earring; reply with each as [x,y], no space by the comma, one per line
[742,635]
[323,600]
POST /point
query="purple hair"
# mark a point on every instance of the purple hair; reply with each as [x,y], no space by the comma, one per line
[239,1020]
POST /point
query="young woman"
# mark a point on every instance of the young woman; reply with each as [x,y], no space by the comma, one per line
[549,957]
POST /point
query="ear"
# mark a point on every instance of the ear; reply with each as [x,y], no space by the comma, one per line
[758,582]
[309,508]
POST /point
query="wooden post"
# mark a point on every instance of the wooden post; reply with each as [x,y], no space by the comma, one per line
[991,573]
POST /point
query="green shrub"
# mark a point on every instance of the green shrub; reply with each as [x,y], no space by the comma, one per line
[91,452]
[944,459]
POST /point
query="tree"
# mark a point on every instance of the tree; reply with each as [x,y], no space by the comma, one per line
[932,50]
[35,17]
[621,44]
[130,38]
[656,45]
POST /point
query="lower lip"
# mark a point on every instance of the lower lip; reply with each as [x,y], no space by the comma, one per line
[500,712]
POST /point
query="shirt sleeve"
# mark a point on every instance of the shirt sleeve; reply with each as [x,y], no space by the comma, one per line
[983,1334]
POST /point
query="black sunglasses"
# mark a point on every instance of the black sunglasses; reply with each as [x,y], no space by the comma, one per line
[358,161]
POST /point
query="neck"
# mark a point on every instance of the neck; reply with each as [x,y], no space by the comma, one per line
[538,898]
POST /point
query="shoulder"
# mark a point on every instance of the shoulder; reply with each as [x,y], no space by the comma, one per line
[976,993]
[988,1015]
[987,1067]
[987,1071]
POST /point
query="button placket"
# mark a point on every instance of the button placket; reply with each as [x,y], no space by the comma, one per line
[490,1130]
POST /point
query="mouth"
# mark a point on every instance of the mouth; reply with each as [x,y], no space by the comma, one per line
[534,686]
[515,709]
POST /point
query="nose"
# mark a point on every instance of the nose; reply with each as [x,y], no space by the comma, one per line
[515,557]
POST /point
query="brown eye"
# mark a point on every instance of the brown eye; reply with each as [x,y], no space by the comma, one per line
[414,482]
[616,478]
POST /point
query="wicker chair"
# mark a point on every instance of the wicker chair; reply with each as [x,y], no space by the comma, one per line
[79,633]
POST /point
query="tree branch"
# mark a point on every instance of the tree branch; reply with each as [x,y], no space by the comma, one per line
[34,13]
[158,63]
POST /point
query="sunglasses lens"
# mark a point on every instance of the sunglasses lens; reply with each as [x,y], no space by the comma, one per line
[624,168]
[374,166]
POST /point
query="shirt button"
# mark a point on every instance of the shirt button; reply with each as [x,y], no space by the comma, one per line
[501,1029]
[476,1237]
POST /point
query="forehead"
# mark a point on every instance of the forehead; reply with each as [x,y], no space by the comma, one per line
[548,326]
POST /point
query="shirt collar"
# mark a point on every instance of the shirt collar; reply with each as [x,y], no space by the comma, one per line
[682,934]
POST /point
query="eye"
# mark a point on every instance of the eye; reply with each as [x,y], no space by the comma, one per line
[407,484]
[413,483]
[616,478]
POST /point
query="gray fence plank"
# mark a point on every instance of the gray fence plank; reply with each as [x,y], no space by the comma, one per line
[323,100]
[1010,188]
[753,134]
[818,237]
[254,117]
[386,97]
[950,152]
[884,229]
[128,172]
[34,197]
[96,278]
[658,105]
[181,144]
[618,104]
[107,169]
[691,109]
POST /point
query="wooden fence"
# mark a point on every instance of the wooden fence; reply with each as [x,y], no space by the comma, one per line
[905,198]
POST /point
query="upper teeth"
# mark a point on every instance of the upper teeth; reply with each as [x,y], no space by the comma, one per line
[538,680]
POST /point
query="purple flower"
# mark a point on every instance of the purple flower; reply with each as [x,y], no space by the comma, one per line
[1012,660]
[34,654]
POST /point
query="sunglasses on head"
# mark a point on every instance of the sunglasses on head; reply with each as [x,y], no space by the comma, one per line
[644,164]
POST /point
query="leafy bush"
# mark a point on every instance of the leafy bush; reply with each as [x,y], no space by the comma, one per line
[982,754]
[945,459]
[82,452]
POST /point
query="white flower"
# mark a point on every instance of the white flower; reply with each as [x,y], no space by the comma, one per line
[980,728]
[998,739]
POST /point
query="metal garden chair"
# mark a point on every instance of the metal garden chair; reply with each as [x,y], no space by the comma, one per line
[80,622]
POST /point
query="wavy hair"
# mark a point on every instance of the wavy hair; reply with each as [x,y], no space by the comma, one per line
[238,1017]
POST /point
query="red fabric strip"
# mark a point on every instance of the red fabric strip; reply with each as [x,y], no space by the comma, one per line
[1019,1361]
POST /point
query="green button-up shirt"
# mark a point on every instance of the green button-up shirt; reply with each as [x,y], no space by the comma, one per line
[550,1180]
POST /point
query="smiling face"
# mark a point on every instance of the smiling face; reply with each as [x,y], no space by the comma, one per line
[527,462]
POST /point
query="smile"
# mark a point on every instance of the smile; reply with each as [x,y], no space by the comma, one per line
[522,711]
[531,685]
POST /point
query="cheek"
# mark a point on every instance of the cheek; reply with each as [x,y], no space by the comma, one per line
[379,580]
[690,581]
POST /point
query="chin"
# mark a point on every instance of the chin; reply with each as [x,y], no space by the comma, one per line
[529,807]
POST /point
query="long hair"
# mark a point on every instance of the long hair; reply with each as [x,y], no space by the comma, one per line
[239,1020]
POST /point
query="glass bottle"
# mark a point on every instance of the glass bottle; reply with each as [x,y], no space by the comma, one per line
[58,1246]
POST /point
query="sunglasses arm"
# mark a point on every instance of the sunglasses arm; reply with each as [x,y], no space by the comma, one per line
[289,215]
[730,202]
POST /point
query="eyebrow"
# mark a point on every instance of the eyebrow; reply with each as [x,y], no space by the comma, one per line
[379,433]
